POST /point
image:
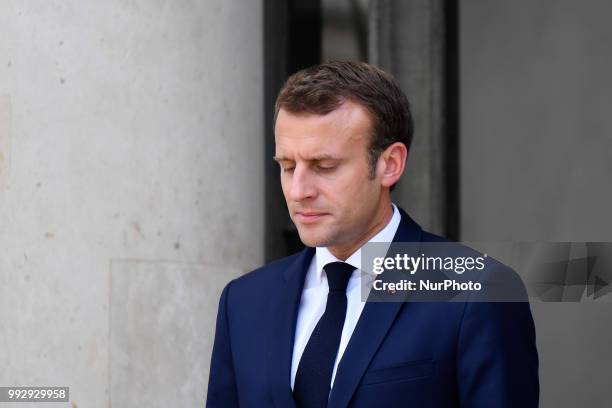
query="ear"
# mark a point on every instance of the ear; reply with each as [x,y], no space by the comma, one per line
[391,164]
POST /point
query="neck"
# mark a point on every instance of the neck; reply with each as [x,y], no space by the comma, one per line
[381,219]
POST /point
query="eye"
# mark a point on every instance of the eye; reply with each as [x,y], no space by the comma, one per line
[326,168]
[287,169]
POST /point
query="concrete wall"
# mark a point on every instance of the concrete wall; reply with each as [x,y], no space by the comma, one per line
[536,142]
[130,179]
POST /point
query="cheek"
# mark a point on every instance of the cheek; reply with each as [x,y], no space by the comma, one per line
[362,196]
[347,196]
[351,180]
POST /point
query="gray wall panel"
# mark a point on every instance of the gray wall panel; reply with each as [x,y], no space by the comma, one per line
[536,153]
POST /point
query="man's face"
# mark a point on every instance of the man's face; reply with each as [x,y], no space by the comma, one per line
[325,175]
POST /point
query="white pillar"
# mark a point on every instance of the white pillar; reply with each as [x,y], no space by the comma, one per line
[131,179]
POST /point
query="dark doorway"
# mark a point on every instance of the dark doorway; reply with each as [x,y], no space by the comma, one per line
[292,41]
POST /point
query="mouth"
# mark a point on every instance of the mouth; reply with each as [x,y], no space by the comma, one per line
[306,217]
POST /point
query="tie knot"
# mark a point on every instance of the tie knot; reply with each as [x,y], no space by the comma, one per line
[338,275]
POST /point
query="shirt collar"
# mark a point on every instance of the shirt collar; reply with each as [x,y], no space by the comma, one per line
[324,256]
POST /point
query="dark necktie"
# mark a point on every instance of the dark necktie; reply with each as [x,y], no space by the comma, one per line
[313,378]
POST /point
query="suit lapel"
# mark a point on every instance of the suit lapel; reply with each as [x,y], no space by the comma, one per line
[283,313]
[375,321]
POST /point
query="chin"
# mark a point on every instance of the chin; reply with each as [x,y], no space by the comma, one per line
[315,240]
[310,241]
[309,238]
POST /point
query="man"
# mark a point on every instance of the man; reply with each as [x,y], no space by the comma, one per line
[296,332]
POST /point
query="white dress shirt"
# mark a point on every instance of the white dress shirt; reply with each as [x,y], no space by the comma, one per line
[314,296]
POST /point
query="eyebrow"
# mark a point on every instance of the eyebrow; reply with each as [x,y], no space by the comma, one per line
[314,159]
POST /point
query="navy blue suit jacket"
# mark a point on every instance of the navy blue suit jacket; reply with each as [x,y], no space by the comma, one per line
[401,354]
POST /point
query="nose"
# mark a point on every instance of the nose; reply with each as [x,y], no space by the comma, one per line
[302,185]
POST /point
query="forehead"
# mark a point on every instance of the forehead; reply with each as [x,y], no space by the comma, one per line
[345,129]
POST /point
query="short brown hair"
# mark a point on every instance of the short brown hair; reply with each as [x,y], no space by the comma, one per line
[322,88]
